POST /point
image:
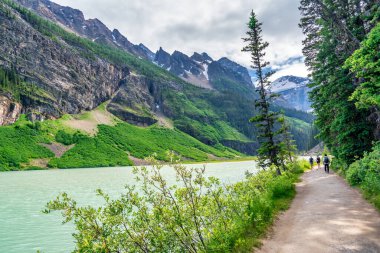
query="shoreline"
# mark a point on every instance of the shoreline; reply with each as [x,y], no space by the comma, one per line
[143,163]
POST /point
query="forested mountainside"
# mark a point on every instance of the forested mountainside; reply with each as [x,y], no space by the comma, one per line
[71,65]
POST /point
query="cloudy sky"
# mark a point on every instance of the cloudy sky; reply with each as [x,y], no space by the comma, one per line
[212,26]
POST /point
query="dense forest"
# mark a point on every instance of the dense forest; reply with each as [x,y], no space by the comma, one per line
[342,50]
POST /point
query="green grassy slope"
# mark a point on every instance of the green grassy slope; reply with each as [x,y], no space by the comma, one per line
[111,146]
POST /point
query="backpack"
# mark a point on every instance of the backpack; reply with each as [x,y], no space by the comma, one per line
[326,160]
[318,159]
[311,160]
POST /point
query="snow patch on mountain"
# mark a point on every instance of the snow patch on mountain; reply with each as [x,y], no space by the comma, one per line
[289,82]
[205,72]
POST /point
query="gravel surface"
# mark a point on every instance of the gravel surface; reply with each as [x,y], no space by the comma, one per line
[326,216]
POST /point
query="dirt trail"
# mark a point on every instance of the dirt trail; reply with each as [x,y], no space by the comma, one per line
[326,216]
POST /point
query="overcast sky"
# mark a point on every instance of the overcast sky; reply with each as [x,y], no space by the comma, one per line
[212,26]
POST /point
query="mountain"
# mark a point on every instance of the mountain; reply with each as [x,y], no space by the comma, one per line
[293,92]
[92,29]
[202,71]
[53,62]
[289,83]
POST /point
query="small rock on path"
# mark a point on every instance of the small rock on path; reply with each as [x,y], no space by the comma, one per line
[327,216]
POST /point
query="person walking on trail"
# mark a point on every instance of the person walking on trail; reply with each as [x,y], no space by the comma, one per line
[318,162]
[311,161]
[326,162]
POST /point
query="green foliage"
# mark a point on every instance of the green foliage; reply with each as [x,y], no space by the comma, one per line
[272,148]
[365,63]
[301,130]
[195,214]
[67,138]
[294,113]
[20,144]
[112,144]
[365,173]
[344,128]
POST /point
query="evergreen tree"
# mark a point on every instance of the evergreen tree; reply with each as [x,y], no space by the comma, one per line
[333,32]
[288,148]
[268,153]
[365,64]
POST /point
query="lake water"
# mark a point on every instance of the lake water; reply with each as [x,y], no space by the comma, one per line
[24,229]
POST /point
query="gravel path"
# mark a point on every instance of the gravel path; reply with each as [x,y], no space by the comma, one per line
[326,216]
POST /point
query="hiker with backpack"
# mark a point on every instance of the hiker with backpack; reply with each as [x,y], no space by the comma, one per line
[311,161]
[318,161]
[326,162]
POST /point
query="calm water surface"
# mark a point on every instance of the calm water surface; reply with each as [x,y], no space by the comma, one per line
[24,229]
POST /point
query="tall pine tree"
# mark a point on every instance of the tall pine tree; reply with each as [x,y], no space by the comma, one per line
[268,153]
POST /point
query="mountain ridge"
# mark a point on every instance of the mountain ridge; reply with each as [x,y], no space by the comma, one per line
[140,91]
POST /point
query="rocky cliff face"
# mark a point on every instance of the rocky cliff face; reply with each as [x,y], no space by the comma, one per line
[191,69]
[137,100]
[70,82]
[9,110]
[92,29]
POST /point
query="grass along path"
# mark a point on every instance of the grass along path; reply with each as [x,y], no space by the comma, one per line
[327,215]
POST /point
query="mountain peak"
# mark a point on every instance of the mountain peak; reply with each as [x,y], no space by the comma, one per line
[162,58]
[201,57]
[207,57]
[178,53]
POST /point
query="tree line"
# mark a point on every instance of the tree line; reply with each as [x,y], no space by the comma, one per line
[344,72]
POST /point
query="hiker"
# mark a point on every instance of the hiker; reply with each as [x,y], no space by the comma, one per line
[326,162]
[319,161]
[311,161]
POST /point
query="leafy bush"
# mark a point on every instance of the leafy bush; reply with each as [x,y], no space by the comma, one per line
[365,173]
[67,138]
[20,144]
[196,214]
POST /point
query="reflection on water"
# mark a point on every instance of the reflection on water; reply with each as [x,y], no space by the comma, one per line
[23,228]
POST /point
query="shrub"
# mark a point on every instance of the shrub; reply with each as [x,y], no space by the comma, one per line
[196,214]
[365,173]
[64,138]
[356,173]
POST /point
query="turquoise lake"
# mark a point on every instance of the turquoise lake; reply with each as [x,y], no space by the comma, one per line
[24,228]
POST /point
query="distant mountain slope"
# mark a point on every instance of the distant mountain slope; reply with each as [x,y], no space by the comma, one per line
[293,92]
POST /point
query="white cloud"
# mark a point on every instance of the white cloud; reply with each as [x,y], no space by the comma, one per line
[212,26]
[296,69]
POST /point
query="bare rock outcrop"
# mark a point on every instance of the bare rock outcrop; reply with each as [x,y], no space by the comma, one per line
[9,110]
